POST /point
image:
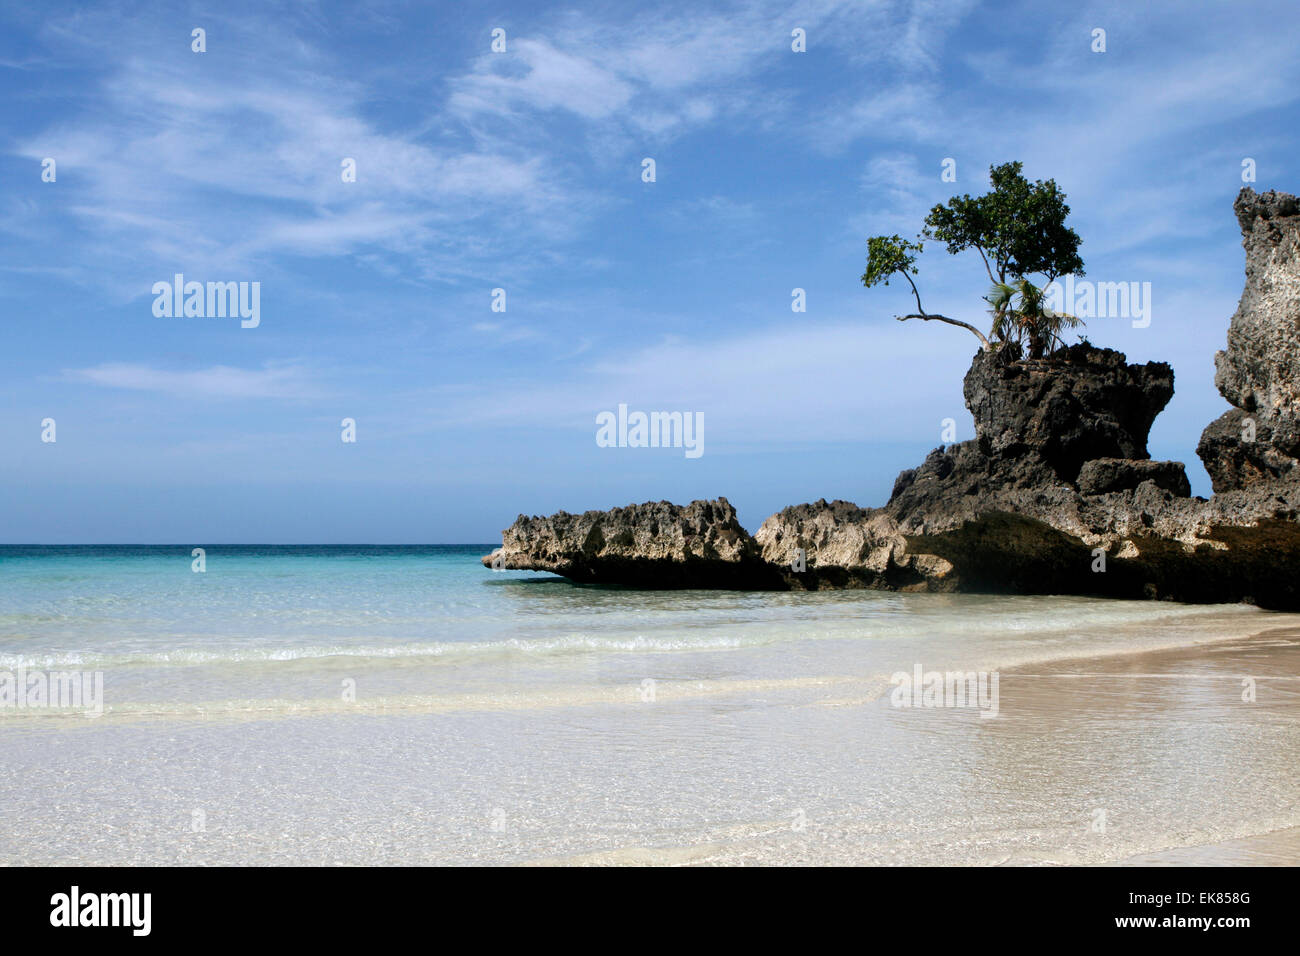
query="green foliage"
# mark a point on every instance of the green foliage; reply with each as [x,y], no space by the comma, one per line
[887,255]
[1019,227]
[1027,325]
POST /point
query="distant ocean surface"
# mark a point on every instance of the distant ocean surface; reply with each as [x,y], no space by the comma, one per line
[377,704]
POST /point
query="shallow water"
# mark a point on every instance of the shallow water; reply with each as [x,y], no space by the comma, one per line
[406,705]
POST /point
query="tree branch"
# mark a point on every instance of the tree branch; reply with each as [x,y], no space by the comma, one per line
[920,313]
[943,318]
[919,307]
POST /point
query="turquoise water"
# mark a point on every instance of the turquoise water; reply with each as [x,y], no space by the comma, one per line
[137,605]
[125,603]
[405,704]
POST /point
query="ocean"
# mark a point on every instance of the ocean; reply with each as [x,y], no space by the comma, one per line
[383,704]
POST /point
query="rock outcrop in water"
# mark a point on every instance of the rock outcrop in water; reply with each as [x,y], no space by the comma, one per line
[654,545]
[1055,494]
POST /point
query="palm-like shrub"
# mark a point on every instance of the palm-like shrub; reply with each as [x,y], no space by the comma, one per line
[1022,319]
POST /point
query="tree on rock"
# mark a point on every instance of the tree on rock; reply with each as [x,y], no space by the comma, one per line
[1019,230]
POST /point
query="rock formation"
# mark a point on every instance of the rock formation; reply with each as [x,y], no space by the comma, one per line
[1080,404]
[1259,373]
[1055,494]
[654,545]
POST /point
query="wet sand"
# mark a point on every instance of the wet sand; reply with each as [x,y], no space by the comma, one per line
[1183,710]
[1208,678]
[1280,848]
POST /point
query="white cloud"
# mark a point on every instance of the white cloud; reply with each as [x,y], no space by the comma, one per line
[668,70]
[214,171]
[219,381]
[550,79]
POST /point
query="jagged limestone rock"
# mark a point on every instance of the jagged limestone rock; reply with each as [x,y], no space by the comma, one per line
[654,545]
[1259,372]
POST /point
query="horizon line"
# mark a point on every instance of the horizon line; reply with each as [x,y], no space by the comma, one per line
[246,544]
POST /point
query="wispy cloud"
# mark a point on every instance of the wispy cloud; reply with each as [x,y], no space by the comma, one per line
[218,381]
[664,72]
[215,170]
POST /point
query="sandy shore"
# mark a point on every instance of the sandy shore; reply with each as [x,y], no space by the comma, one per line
[1273,653]
[1210,675]
[1170,700]
[1280,848]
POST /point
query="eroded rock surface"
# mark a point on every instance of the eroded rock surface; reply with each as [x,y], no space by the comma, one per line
[654,545]
[1079,404]
[1104,475]
[1259,372]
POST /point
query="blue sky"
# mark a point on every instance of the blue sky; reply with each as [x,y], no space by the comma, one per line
[522,171]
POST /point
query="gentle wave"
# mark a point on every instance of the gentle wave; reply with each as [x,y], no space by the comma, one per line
[438,650]
[1043,630]
[666,691]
